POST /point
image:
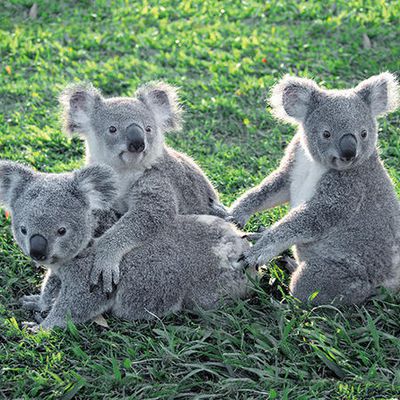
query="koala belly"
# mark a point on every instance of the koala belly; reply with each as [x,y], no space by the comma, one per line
[305,177]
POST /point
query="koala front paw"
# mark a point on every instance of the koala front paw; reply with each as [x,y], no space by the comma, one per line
[252,236]
[237,218]
[31,302]
[249,259]
[218,209]
[108,268]
[257,255]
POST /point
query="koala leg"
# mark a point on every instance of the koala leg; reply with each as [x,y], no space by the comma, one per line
[43,302]
[339,282]
[201,300]
[79,303]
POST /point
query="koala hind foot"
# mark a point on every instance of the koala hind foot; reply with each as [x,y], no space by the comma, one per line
[31,302]
[336,282]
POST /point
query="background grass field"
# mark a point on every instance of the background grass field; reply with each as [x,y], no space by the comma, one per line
[224,55]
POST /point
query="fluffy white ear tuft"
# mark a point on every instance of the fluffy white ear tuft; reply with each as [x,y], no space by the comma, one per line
[292,97]
[162,100]
[77,102]
[98,183]
[14,177]
[380,92]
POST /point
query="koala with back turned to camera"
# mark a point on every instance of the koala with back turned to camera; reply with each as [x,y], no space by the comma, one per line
[345,217]
[55,220]
[155,182]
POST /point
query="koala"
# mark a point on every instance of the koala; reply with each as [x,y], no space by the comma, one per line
[344,219]
[155,182]
[55,220]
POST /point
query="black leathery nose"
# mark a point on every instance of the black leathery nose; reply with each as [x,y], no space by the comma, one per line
[136,147]
[348,147]
[38,247]
[135,136]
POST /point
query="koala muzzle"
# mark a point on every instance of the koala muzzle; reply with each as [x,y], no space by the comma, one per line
[38,247]
[348,147]
[135,135]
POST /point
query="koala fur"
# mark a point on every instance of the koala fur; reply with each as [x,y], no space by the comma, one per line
[345,217]
[155,182]
[186,265]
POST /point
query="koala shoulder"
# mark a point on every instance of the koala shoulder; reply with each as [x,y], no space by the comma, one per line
[180,162]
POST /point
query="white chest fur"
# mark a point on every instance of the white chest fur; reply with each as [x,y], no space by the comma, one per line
[125,182]
[305,176]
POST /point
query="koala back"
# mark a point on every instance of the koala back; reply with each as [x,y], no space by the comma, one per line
[191,265]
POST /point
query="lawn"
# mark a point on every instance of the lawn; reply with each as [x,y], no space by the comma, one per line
[224,55]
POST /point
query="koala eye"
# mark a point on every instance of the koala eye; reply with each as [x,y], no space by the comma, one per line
[62,231]
[112,129]
[364,134]
[23,230]
[148,129]
[326,134]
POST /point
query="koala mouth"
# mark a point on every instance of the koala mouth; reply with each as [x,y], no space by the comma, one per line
[49,261]
[126,156]
[338,163]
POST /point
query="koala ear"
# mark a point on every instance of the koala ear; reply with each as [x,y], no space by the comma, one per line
[77,103]
[14,177]
[380,92]
[162,100]
[98,183]
[292,98]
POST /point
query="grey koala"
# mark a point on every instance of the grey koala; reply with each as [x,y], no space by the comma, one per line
[345,218]
[184,266]
[155,182]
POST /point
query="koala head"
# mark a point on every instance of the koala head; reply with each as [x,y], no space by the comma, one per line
[338,127]
[52,213]
[123,132]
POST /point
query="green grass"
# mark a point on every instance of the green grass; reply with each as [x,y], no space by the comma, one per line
[266,347]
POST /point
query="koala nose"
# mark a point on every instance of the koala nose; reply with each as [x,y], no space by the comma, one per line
[136,147]
[135,135]
[348,147]
[38,247]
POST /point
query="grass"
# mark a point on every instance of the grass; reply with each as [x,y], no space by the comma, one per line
[224,55]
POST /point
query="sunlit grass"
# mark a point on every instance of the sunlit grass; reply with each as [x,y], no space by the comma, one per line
[224,55]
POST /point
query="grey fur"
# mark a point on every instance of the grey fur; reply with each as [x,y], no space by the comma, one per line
[186,265]
[156,185]
[345,217]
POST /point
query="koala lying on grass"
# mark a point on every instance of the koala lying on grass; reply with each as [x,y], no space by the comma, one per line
[155,182]
[186,265]
[345,217]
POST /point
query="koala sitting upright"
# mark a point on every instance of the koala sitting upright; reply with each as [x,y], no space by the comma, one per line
[345,217]
[188,265]
[156,183]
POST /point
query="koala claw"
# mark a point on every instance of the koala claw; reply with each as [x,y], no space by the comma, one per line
[252,237]
[234,221]
[30,326]
[244,263]
[257,255]
[110,276]
[38,317]
[217,209]
[290,264]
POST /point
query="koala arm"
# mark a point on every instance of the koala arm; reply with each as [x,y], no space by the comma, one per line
[43,302]
[271,192]
[153,205]
[330,206]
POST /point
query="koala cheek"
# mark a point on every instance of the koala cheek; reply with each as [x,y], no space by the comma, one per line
[23,244]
